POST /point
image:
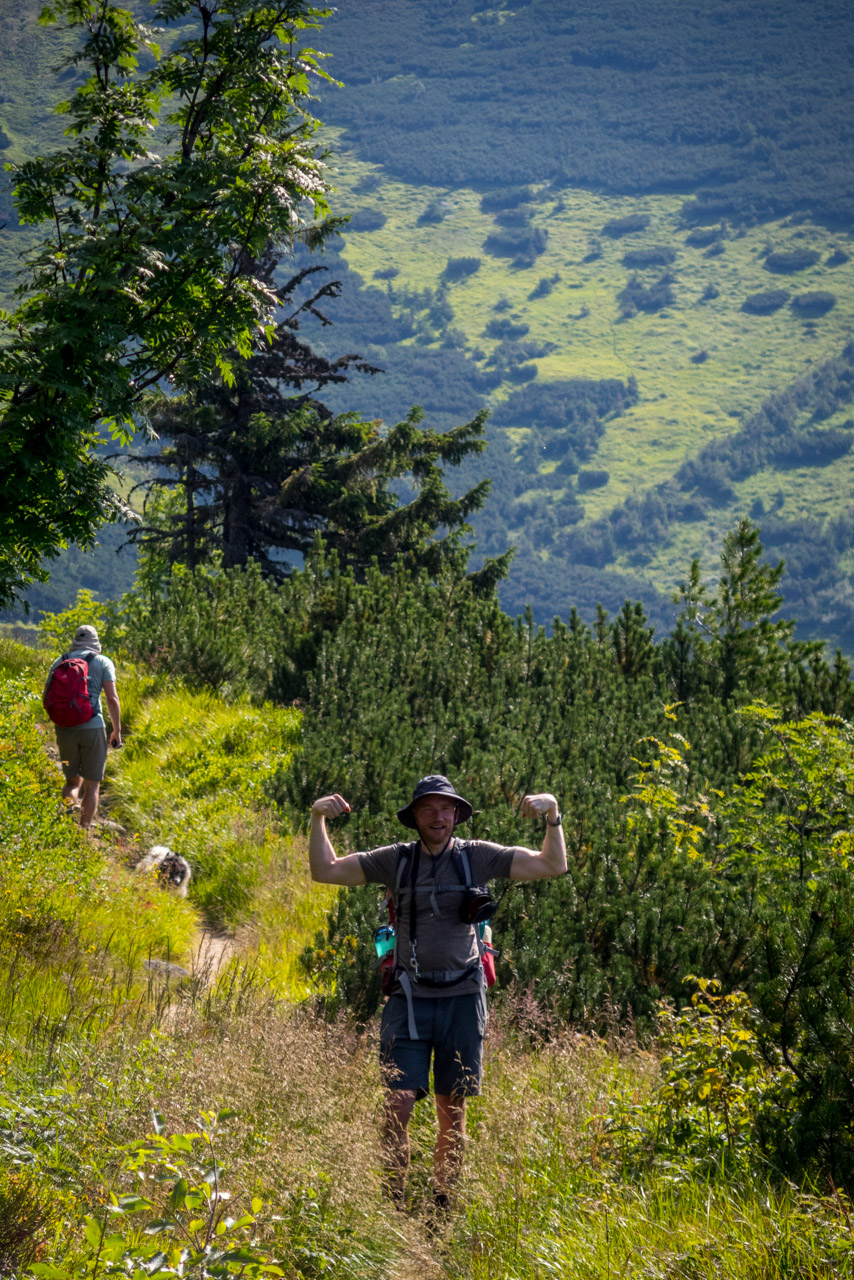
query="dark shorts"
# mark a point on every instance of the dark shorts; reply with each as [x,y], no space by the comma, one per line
[82,752]
[451,1030]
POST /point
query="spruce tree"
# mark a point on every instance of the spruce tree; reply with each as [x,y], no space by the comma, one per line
[260,466]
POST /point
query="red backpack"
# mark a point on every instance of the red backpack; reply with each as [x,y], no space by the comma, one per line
[66,698]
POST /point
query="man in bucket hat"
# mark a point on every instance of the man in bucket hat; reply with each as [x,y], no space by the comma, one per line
[436,1007]
[83,746]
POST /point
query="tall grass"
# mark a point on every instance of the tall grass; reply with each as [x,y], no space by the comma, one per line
[75,928]
[192,776]
[537,1199]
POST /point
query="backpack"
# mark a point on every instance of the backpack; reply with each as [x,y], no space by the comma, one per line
[66,698]
[407,867]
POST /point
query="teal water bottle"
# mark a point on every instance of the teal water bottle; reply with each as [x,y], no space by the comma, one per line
[384,940]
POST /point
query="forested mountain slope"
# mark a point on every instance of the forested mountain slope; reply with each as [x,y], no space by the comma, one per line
[627,233]
[650,193]
[744,101]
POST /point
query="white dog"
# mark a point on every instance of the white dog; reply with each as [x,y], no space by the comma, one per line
[170,868]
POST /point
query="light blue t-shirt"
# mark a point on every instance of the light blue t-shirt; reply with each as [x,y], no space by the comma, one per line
[100,669]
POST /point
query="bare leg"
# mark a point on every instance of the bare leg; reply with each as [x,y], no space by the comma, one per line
[89,803]
[70,790]
[450,1145]
[398,1109]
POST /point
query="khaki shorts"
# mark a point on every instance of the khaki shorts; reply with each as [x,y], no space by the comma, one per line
[82,752]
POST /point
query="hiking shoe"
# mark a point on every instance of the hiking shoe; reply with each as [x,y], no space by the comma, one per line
[438,1216]
[394,1190]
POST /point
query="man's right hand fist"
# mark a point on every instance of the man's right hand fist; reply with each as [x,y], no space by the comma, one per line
[330,806]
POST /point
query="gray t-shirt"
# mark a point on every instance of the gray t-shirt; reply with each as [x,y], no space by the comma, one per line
[100,669]
[443,942]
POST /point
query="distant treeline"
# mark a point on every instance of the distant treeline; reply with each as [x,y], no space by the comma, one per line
[747,107]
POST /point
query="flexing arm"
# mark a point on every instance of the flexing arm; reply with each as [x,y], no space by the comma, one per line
[551,860]
[115,712]
[323,864]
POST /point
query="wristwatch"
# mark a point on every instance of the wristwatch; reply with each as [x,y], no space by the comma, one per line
[558,820]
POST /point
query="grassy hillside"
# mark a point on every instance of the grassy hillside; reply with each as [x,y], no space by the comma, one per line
[725,337]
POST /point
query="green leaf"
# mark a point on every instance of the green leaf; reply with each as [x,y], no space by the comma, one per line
[158,1122]
[242,1254]
[178,1194]
[132,1203]
[93,1231]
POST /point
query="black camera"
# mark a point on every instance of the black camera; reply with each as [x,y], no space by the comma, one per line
[477,905]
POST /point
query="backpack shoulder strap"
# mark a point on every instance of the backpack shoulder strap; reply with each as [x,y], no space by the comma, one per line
[463,865]
[404,868]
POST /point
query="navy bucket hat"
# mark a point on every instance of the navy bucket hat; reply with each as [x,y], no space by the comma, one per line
[435,784]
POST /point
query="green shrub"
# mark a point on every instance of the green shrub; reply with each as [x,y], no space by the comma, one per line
[432,214]
[367,220]
[505,329]
[812,305]
[507,198]
[186,1226]
[636,296]
[544,287]
[658,256]
[705,1115]
[765,303]
[785,835]
[592,479]
[794,260]
[56,630]
[522,245]
[627,226]
[513,218]
[460,268]
[216,630]
[702,237]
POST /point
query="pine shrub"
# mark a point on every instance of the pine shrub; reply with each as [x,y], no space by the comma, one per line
[788,263]
[814,304]
[765,303]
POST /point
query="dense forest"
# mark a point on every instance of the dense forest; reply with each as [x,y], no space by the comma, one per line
[737,106]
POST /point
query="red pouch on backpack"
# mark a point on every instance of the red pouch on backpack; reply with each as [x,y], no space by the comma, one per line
[387,973]
[66,698]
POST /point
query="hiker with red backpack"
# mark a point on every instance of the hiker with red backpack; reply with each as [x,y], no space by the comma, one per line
[72,699]
[436,981]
